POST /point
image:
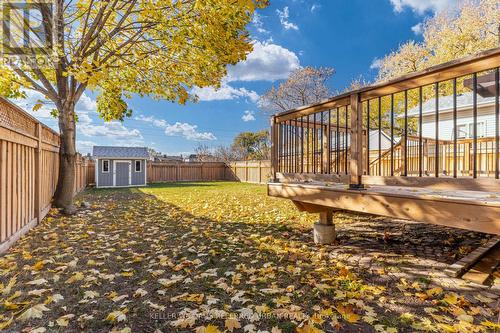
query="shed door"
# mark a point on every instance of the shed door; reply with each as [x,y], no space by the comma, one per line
[122,173]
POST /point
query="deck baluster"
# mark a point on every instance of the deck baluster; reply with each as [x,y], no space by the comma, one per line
[497,123]
[474,116]
[455,132]
[436,144]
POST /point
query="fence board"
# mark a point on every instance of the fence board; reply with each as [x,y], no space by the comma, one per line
[181,172]
[29,167]
[29,164]
[250,171]
[244,171]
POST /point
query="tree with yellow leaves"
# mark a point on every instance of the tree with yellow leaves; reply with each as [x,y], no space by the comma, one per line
[473,27]
[117,48]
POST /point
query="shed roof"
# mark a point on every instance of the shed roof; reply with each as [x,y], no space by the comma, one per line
[117,152]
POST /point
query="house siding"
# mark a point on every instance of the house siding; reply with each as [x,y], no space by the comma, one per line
[485,115]
[139,178]
[104,178]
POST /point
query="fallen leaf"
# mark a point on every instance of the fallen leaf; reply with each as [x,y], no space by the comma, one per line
[116,316]
[77,276]
[232,323]
[33,312]
[140,293]
[63,321]
[37,282]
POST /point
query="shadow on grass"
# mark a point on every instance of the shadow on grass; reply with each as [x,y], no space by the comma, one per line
[186,184]
[367,233]
[261,243]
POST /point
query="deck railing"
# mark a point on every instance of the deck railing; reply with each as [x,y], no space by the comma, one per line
[442,122]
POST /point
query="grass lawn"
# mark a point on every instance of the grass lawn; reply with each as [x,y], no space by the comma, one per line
[224,257]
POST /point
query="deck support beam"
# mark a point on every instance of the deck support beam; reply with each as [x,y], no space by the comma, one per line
[324,229]
[417,204]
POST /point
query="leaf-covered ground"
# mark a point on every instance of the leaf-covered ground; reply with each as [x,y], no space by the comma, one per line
[224,257]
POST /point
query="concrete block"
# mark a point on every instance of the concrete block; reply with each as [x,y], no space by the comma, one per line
[324,233]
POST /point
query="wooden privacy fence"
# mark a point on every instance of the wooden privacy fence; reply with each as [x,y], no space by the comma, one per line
[243,171]
[29,167]
[85,173]
[250,171]
[158,172]
[29,162]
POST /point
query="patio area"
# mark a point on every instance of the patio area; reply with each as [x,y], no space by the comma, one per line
[225,257]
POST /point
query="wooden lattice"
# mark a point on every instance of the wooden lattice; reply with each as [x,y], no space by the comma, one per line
[49,136]
[16,118]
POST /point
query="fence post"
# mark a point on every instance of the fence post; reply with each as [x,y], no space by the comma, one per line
[356,162]
[202,171]
[246,171]
[260,172]
[149,168]
[38,173]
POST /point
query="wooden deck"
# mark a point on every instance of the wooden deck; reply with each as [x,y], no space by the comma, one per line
[472,210]
[322,158]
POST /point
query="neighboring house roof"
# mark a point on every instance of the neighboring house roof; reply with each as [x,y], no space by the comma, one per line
[464,101]
[168,158]
[117,152]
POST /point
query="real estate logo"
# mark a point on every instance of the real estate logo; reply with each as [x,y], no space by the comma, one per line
[28,29]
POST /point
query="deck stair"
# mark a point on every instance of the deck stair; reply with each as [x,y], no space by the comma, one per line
[481,266]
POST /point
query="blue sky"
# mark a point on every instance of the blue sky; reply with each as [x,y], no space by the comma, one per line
[346,35]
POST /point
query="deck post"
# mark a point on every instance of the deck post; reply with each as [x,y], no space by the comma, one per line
[274,149]
[324,229]
[356,161]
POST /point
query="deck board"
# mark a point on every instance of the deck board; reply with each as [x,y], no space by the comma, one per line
[472,210]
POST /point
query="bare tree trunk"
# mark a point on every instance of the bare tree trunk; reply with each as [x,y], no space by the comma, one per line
[63,197]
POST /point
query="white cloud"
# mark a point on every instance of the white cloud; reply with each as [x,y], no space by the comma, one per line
[225,92]
[418,29]
[86,103]
[248,116]
[84,106]
[315,7]
[267,62]
[376,63]
[161,123]
[112,130]
[421,6]
[284,16]
[258,23]
[84,118]
[189,132]
[185,130]
[84,147]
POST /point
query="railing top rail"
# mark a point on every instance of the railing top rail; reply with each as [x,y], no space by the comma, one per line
[442,72]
